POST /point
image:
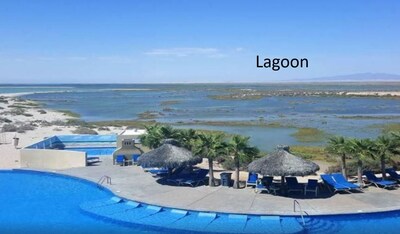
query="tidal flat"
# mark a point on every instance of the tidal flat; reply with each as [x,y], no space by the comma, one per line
[270,113]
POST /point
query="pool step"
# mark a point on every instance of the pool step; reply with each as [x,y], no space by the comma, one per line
[130,212]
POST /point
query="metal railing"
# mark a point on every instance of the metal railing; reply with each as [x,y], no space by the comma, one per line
[103,179]
[295,202]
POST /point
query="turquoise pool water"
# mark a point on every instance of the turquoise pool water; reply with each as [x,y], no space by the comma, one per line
[93,151]
[93,145]
[34,202]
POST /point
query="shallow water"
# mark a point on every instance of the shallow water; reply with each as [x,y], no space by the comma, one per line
[109,102]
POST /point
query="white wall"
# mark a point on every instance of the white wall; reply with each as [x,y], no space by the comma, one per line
[52,159]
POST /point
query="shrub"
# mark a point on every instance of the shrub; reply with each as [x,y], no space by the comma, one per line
[104,129]
[9,128]
[44,123]
[84,130]
[58,123]
[369,165]
[5,120]
[25,127]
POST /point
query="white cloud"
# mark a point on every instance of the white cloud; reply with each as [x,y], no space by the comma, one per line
[186,51]
[238,49]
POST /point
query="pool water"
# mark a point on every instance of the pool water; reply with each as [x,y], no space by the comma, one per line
[44,203]
[36,202]
[94,151]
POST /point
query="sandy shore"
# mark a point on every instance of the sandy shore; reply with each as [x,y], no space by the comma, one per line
[46,123]
[374,93]
[38,122]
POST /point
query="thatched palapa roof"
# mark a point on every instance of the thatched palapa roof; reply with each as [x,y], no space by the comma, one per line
[283,163]
[169,155]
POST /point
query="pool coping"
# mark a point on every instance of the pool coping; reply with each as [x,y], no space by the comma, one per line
[116,194]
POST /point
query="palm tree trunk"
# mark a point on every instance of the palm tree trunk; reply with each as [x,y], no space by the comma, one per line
[236,183]
[359,172]
[383,167]
[210,173]
[344,166]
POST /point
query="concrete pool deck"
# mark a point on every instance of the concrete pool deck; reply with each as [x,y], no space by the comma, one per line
[133,183]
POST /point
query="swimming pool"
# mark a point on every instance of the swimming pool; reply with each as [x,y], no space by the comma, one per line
[93,151]
[92,145]
[37,202]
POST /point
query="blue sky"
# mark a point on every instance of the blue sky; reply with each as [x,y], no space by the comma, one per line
[193,41]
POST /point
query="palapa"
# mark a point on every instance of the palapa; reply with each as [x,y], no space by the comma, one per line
[169,155]
[283,163]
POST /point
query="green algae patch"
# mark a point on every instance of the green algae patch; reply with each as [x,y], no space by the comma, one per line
[70,113]
[312,153]
[169,102]
[386,128]
[309,135]
[251,123]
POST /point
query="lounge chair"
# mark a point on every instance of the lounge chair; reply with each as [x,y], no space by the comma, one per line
[195,179]
[293,185]
[311,186]
[92,160]
[178,175]
[158,171]
[264,184]
[339,178]
[135,158]
[371,178]
[333,185]
[393,174]
[122,160]
[252,179]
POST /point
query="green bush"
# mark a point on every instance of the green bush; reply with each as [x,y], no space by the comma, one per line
[84,130]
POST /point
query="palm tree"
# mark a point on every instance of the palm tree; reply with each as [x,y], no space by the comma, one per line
[156,134]
[187,138]
[239,148]
[338,145]
[383,147]
[360,149]
[210,146]
[168,132]
[153,138]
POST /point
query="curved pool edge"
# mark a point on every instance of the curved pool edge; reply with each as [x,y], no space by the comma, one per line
[115,193]
[292,227]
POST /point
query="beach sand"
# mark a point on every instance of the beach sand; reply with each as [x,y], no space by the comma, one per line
[10,104]
[10,157]
[374,93]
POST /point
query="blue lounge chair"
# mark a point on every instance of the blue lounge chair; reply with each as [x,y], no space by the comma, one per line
[135,158]
[158,171]
[333,185]
[293,185]
[393,174]
[264,184]
[339,178]
[252,179]
[120,160]
[371,178]
[195,179]
[311,186]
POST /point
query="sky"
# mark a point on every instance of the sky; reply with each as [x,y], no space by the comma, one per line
[97,41]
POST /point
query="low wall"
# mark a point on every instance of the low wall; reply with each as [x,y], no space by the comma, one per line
[52,159]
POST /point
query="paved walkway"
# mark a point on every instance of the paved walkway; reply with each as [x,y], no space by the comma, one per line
[133,183]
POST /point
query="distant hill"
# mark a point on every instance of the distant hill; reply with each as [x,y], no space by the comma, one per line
[358,77]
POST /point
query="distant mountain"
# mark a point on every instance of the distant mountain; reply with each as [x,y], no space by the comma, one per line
[359,77]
